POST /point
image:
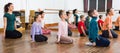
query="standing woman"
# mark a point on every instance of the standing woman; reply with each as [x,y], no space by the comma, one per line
[9,23]
[75,12]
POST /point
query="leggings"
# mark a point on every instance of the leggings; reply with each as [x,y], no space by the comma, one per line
[102,42]
[40,38]
[116,28]
[13,34]
[66,40]
[105,34]
[82,35]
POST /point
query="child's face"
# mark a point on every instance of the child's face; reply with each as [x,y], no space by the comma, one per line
[39,18]
[111,12]
[83,19]
[64,15]
[95,13]
[77,11]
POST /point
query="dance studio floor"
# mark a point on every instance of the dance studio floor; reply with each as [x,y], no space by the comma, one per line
[25,45]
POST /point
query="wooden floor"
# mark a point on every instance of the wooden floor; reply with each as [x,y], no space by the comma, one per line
[25,45]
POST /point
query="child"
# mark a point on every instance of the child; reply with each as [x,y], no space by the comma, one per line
[75,12]
[63,29]
[107,31]
[81,26]
[36,30]
[100,22]
[70,24]
[117,23]
[94,38]
[45,30]
[68,21]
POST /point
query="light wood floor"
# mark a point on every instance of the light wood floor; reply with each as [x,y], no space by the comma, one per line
[25,45]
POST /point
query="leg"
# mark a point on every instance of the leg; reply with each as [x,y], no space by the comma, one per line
[13,34]
[40,38]
[45,38]
[19,35]
[105,34]
[66,40]
[116,28]
[115,35]
[102,42]
[82,35]
[86,32]
[69,32]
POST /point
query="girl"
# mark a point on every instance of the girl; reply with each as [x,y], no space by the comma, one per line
[100,22]
[44,28]
[75,12]
[63,29]
[36,30]
[10,23]
[117,23]
[70,24]
[94,38]
[107,31]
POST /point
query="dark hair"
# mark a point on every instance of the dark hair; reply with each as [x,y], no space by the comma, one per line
[67,13]
[6,7]
[74,11]
[90,12]
[60,12]
[41,12]
[82,16]
[100,16]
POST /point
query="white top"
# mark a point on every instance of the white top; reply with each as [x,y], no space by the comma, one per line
[63,28]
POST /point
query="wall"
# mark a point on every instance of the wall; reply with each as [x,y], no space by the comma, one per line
[18,4]
[43,4]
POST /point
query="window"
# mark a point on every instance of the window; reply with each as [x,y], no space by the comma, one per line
[100,5]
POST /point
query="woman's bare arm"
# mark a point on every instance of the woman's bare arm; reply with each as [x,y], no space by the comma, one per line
[5,25]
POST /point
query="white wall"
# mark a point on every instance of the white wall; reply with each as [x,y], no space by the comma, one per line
[43,4]
[18,4]
[116,7]
[74,4]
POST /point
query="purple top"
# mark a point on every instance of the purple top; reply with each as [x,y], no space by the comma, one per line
[36,29]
